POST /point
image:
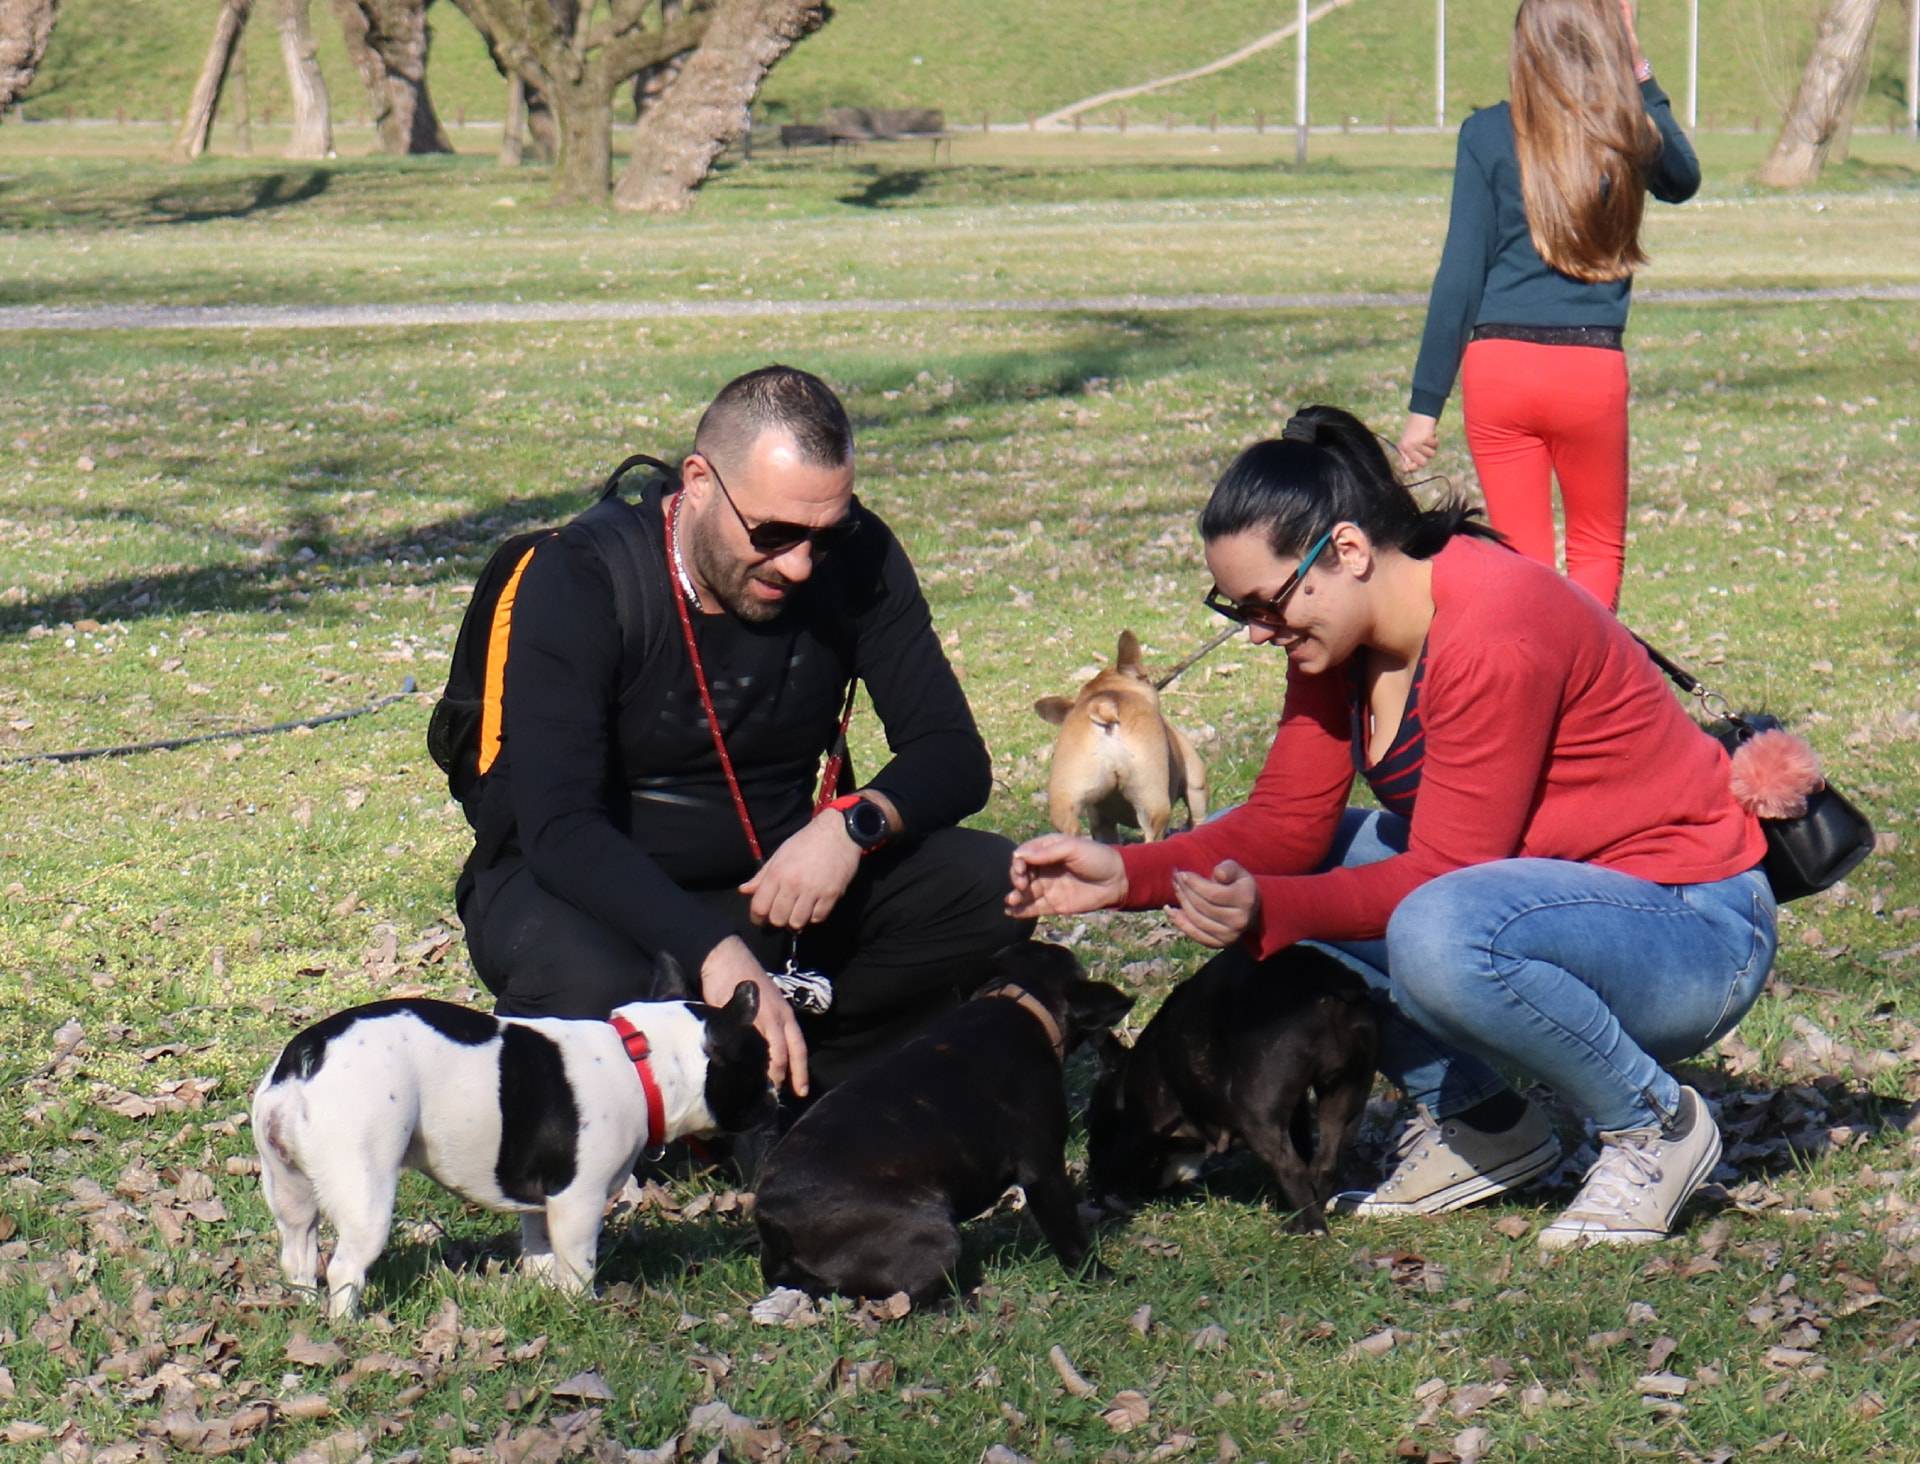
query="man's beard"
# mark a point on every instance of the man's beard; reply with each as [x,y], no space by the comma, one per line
[726,577]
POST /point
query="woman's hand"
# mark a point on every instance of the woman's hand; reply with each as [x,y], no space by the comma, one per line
[1419,441]
[1633,38]
[1217,911]
[1064,874]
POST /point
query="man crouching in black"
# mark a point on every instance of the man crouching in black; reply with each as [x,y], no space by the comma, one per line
[650,803]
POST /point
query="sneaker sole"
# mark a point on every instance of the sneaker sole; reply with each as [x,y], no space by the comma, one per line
[1511,1175]
[1579,1237]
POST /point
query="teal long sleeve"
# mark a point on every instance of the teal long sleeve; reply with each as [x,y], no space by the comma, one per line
[1490,272]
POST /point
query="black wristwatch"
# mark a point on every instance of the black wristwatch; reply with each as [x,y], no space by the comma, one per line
[866,821]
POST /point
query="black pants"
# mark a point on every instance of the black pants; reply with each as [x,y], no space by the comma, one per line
[909,939]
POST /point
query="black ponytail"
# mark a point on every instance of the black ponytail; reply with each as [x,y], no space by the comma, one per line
[1325,468]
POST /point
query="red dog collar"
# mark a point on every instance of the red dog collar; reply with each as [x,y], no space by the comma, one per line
[640,1053]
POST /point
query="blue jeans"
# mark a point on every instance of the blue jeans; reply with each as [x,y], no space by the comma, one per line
[1579,977]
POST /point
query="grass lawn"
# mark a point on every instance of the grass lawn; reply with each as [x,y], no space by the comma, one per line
[221,530]
[1005,59]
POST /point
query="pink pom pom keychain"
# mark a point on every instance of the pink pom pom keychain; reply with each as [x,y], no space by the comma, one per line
[1774,773]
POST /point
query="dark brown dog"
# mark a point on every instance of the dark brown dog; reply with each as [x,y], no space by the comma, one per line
[865,1194]
[1231,1057]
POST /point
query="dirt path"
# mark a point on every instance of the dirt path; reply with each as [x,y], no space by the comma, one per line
[1065,115]
[368,317]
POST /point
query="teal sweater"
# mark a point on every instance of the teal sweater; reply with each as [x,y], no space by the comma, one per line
[1490,273]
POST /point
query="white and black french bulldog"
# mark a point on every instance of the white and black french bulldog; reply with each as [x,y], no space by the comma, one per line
[544,1117]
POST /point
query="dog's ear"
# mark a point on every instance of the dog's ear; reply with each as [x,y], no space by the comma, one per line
[1053,709]
[1127,658]
[1109,1052]
[1093,1006]
[745,1005]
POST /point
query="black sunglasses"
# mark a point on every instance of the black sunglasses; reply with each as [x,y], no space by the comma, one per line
[776,536]
[1269,614]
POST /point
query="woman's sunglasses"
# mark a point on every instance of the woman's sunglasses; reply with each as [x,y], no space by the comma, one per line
[1269,614]
[776,536]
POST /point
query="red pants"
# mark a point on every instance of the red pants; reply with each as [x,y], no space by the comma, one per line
[1535,412]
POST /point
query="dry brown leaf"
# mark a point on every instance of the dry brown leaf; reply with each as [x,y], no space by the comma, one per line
[784,1306]
[1469,1400]
[1379,1344]
[1661,1349]
[340,1448]
[1514,1227]
[1210,1338]
[1070,1377]
[738,1434]
[1001,1454]
[307,1406]
[1471,1444]
[309,1353]
[1788,1357]
[1662,1385]
[1127,1411]
[1142,1320]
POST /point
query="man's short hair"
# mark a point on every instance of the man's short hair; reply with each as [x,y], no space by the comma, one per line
[797,402]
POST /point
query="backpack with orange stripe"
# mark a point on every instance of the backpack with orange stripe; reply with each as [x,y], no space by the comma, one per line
[463,734]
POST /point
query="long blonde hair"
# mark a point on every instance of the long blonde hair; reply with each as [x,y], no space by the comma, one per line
[1583,136]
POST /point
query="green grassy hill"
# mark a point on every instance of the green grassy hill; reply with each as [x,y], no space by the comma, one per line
[1007,59]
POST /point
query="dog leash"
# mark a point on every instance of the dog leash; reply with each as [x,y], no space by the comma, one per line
[1217,641]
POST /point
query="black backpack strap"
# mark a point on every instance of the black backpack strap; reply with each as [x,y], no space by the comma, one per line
[636,566]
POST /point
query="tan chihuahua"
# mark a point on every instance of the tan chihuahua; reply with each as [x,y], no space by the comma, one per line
[1118,760]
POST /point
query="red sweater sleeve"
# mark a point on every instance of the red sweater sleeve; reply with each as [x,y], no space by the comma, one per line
[1287,823]
[1488,710]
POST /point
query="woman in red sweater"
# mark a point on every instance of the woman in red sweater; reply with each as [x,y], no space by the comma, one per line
[1558,881]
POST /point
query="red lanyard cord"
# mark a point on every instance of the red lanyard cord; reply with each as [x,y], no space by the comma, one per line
[700,680]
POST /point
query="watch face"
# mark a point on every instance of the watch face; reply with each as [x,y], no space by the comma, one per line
[866,824]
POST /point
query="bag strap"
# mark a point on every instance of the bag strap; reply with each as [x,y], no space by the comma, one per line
[1712,704]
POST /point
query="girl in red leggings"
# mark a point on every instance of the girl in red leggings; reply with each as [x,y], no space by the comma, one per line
[1530,300]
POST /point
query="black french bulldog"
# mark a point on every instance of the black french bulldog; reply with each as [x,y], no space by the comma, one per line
[1231,1056]
[865,1193]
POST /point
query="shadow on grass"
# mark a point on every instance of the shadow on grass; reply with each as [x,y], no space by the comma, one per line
[281,580]
[887,186]
[236,198]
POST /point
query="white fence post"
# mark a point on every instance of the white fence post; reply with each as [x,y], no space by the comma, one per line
[1300,94]
[1440,63]
[1693,66]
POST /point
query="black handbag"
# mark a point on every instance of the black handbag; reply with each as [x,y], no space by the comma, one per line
[1805,854]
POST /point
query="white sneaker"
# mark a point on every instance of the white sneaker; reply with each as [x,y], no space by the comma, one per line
[1640,1181]
[1441,1166]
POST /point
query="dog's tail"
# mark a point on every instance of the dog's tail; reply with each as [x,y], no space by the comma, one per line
[1104,712]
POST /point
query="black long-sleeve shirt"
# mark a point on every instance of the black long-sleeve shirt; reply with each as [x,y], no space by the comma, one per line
[1491,274]
[619,803]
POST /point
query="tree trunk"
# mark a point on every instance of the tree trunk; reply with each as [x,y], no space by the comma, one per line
[205,101]
[312,113]
[1829,88]
[573,57]
[678,137]
[583,120]
[388,40]
[25,26]
[513,137]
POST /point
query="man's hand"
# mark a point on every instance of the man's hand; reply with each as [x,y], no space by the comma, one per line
[807,875]
[727,965]
[1419,441]
[1064,874]
[1218,911]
